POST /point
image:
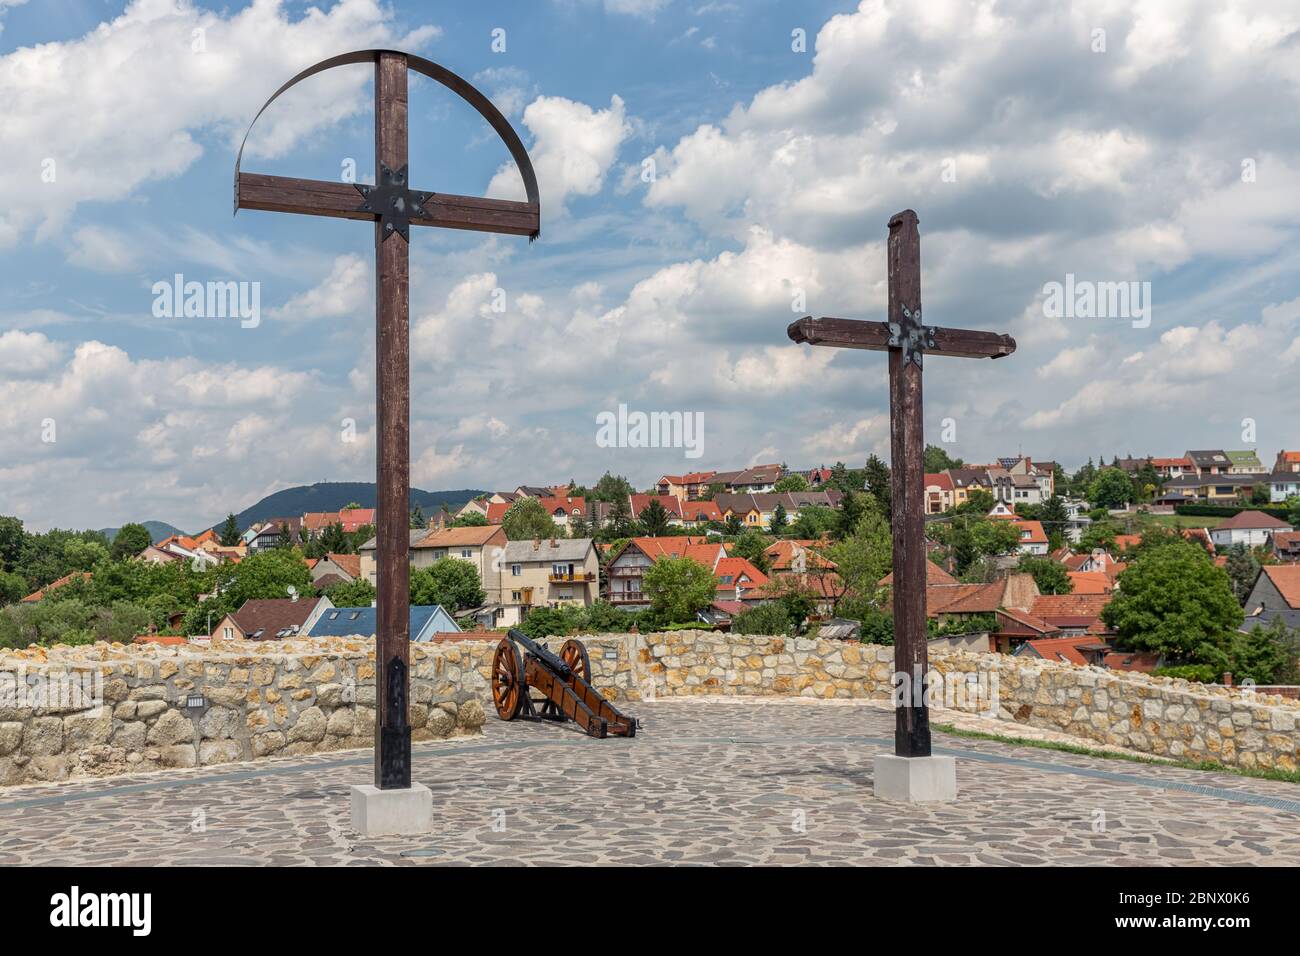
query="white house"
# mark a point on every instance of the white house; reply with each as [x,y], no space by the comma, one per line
[1251,528]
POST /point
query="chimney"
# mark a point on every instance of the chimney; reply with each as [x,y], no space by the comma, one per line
[552,542]
[537,543]
[1227,678]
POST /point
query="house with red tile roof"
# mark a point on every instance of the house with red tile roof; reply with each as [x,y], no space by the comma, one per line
[789,555]
[938,493]
[1286,545]
[1141,662]
[739,580]
[44,592]
[1082,651]
[698,513]
[626,568]
[933,575]
[1276,594]
[565,509]
[688,487]
[1033,540]
[1090,582]
[671,505]
[1073,614]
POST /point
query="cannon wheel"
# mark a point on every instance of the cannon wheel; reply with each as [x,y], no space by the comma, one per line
[508,685]
[574,654]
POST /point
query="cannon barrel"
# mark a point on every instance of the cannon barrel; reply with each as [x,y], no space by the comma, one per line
[541,653]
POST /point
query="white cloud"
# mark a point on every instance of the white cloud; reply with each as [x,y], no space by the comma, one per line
[27,353]
[134,101]
[347,290]
[102,249]
[573,148]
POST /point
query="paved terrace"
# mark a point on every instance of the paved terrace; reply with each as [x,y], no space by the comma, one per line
[706,782]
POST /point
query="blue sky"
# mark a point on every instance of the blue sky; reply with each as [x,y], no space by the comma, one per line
[1165,156]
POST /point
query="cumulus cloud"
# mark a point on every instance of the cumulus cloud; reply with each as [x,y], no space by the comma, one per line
[573,148]
[135,100]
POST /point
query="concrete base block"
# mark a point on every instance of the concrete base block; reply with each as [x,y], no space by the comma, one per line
[915,779]
[376,811]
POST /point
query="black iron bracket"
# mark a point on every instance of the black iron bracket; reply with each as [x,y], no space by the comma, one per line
[911,336]
[393,202]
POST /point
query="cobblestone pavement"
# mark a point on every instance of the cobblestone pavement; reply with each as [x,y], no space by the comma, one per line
[744,782]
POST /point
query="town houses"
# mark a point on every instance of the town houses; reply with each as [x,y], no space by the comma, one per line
[1024,558]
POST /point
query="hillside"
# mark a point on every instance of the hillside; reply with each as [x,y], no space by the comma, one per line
[157,530]
[333,495]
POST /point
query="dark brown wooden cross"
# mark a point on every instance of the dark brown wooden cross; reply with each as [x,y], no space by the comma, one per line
[906,339]
[393,207]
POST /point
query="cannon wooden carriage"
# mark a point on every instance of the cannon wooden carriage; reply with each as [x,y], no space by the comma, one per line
[521,666]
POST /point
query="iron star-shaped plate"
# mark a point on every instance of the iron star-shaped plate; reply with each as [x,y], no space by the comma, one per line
[393,202]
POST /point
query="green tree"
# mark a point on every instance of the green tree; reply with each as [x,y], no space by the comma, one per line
[544,622]
[526,518]
[769,618]
[12,539]
[779,519]
[1266,655]
[863,558]
[417,517]
[470,519]
[229,534]
[878,483]
[1056,521]
[1050,576]
[814,521]
[1099,534]
[13,588]
[792,482]
[734,524]
[451,582]
[1175,602]
[1111,489]
[937,460]
[654,519]
[678,588]
[355,593]
[994,536]
[1243,569]
[978,502]
[752,545]
[612,488]
[130,540]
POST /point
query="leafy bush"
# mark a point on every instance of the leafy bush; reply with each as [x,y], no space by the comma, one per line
[1201,673]
[769,618]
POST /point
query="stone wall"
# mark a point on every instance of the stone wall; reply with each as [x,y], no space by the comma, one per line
[69,712]
[308,696]
[1155,715]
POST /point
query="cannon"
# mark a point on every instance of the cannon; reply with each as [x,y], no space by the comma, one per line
[521,666]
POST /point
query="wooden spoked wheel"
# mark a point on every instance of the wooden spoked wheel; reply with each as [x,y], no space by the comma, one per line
[508,686]
[574,654]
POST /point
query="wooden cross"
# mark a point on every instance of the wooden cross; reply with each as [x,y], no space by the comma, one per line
[393,207]
[906,339]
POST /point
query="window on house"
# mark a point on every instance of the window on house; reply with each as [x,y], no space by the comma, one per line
[466,553]
[516,570]
[516,596]
[229,633]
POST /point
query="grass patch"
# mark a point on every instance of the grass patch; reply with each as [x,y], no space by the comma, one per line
[1188,521]
[1285,776]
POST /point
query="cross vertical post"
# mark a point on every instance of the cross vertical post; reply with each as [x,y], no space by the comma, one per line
[907,488]
[392,805]
[913,772]
[393,451]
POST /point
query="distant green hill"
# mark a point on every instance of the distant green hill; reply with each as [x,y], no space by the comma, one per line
[333,495]
[158,530]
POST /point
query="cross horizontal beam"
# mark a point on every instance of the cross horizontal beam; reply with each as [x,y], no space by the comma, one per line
[857,334]
[315,197]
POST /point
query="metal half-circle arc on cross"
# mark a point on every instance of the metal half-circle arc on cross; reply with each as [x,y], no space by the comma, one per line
[457,84]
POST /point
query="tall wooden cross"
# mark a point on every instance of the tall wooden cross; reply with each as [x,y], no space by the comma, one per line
[393,207]
[906,339]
